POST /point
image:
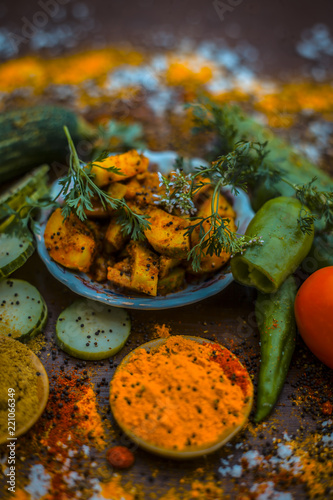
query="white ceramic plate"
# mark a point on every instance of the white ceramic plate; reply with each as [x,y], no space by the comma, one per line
[81,284]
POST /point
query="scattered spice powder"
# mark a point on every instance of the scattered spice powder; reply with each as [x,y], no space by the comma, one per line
[91,423]
[151,394]
[113,489]
[199,490]
[36,344]
[69,423]
[20,495]
[86,79]
[71,410]
[33,71]
[327,408]
[161,331]
[188,73]
[294,97]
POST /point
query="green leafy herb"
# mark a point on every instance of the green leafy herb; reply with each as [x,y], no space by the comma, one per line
[208,117]
[178,190]
[216,237]
[233,170]
[245,163]
[319,202]
[78,188]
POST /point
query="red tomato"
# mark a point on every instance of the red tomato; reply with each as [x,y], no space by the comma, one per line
[314,314]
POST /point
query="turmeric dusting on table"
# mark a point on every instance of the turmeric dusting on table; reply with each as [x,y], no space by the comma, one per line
[154,391]
[113,489]
[161,331]
[92,422]
[199,491]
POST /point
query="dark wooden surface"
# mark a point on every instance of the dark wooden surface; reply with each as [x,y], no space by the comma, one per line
[228,317]
[273,28]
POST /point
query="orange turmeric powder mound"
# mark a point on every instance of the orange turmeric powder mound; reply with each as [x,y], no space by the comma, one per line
[175,396]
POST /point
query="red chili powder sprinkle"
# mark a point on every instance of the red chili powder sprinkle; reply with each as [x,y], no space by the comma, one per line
[231,367]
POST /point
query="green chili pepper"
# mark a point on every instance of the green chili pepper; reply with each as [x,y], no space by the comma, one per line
[285,246]
[277,326]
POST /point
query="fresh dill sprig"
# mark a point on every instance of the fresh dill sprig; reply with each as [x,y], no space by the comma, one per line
[248,166]
[78,188]
[245,164]
[319,202]
[215,237]
[306,221]
[178,190]
[208,117]
[234,169]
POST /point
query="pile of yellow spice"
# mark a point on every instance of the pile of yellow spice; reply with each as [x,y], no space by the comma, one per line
[18,381]
[176,396]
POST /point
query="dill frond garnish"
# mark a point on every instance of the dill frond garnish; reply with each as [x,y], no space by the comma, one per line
[78,188]
[242,164]
[231,170]
[319,202]
[248,162]
[208,117]
[178,190]
[216,237]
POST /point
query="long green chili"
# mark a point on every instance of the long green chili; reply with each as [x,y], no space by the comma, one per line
[277,326]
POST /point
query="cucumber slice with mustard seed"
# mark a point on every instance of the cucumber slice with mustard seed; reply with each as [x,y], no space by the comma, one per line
[33,185]
[29,185]
[15,250]
[23,312]
[91,330]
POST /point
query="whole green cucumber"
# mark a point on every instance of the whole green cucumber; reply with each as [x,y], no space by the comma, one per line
[35,135]
[277,327]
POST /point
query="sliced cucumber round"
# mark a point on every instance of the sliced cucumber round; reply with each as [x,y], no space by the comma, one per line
[14,251]
[29,185]
[23,312]
[91,330]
